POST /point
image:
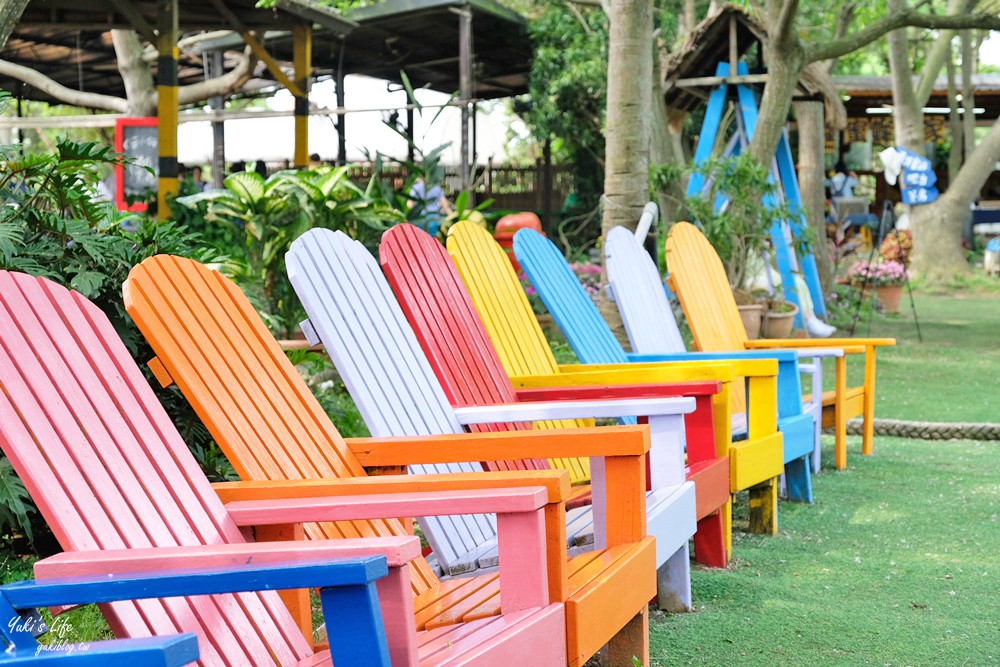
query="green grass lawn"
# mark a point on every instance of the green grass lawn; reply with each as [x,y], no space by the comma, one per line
[895,564]
[947,378]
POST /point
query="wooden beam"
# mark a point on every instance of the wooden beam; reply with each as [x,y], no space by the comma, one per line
[166,106]
[302,58]
[272,65]
[711,81]
[138,21]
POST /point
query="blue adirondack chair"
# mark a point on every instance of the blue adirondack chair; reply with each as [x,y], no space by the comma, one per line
[22,624]
[594,343]
[635,285]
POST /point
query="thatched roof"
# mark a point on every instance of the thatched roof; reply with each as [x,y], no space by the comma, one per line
[709,44]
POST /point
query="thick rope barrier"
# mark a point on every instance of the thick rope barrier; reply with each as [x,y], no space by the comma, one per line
[928,430]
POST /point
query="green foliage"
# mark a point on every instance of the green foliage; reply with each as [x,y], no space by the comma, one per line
[51,225]
[265,216]
[568,92]
[731,214]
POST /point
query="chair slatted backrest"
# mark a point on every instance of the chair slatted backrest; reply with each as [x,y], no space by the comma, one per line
[251,398]
[564,297]
[635,282]
[435,302]
[108,469]
[505,312]
[699,280]
[353,311]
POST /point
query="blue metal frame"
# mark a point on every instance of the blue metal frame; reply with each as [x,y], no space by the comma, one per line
[347,591]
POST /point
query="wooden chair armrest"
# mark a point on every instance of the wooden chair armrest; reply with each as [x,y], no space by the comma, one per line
[397,550]
[557,443]
[670,372]
[575,409]
[603,391]
[556,483]
[819,342]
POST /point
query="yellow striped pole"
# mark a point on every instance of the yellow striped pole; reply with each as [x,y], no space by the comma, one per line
[166,107]
[302,59]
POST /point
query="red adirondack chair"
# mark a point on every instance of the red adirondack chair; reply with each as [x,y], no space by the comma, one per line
[437,304]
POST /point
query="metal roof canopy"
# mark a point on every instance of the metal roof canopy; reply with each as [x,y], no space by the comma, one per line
[194,15]
[80,59]
[421,38]
[876,91]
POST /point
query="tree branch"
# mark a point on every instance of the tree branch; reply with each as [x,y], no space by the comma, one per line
[60,92]
[845,17]
[786,19]
[910,18]
[220,85]
[939,53]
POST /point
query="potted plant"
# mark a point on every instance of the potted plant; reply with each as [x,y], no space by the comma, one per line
[779,318]
[887,277]
[732,214]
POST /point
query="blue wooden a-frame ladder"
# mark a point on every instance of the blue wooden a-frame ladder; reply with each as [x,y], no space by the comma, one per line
[782,171]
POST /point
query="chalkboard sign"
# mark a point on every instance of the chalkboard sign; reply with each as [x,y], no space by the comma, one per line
[137,139]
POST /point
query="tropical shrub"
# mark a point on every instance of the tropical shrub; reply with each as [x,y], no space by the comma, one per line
[52,225]
[266,215]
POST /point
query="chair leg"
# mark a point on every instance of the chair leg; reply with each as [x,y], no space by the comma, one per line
[632,641]
[710,541]
[798,480]
[764,507]
[817,414]
[673,582]
[840,413]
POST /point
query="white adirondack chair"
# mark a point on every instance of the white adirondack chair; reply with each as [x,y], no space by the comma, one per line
[635,284]
[353,312]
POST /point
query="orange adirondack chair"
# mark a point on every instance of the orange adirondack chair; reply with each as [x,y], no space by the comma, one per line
[123,494]
[699,280]
[209,340]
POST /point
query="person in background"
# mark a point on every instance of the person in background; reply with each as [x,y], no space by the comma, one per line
[429,205]
[198,179]
[238,167]
[843,182]
[260,168]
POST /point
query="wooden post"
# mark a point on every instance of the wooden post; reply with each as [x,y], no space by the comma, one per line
[302,58]
[342,118]
[465,86]
[218,126]
[166,107]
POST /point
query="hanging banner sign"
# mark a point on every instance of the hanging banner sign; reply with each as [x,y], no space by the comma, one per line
[919,179]
[914,162]
[917,196]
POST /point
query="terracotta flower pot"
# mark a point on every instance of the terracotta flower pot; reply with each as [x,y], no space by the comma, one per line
[890,296]
[752,315]
[779,325]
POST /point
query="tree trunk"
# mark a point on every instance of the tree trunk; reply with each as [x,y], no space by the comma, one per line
[954,125]
[785,60]
[10,14]
[140,90]
[812,183]
[629,107]
[665,146]
[968,95]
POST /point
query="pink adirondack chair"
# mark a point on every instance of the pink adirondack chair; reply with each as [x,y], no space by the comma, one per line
[122,493]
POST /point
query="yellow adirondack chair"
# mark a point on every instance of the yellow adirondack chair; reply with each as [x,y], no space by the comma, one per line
[496,292]
[699,280]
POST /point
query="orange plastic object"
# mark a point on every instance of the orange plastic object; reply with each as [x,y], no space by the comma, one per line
[508,225]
